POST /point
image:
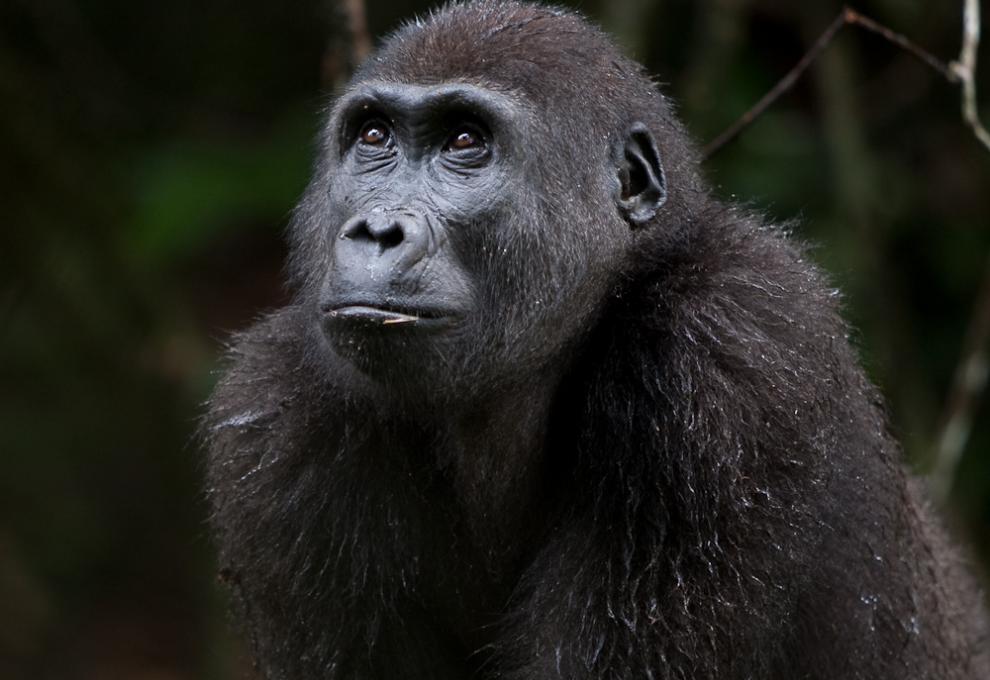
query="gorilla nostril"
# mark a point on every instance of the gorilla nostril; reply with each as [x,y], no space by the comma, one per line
[386,233]
[391,237]
[357,230]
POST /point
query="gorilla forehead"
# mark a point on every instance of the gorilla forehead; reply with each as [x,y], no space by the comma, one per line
[547,53]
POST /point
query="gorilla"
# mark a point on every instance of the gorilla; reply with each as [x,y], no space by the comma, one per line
[542,406]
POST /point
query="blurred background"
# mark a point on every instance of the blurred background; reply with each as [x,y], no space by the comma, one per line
[150,154]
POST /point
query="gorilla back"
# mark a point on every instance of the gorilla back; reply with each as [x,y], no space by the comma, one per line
[542,407]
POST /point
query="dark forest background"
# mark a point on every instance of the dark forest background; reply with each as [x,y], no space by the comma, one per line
[150,154]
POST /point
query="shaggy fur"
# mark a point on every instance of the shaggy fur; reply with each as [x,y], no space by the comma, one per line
[696,482]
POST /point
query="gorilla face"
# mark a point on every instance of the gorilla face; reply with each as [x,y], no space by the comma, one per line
[418,168]
[455,253]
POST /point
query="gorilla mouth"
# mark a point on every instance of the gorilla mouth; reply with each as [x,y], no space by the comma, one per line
[385,315]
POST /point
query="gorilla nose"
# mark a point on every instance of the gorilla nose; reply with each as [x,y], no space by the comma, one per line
[395,242]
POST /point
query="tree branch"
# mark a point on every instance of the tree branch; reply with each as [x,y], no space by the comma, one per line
[357,24]
[343,56]
[970,379]
[971,374]
[954,73]
[782,86]
[964,70]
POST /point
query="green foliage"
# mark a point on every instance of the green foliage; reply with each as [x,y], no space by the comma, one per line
[189,191]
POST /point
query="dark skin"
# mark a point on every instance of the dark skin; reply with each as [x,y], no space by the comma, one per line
[542,407]
[424,171]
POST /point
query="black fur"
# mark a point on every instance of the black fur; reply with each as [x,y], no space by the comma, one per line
[691,478]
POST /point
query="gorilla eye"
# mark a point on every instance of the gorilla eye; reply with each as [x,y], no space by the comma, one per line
[374,133]
[464,138]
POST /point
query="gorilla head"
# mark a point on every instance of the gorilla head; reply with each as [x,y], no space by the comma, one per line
[542,407]
[484,182]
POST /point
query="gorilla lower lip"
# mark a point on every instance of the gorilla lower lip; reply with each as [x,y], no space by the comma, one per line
[371,315]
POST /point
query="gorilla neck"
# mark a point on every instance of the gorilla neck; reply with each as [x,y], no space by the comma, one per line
[495,456]
[488,451]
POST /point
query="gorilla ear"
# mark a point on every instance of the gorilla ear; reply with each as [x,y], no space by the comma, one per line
[642,185]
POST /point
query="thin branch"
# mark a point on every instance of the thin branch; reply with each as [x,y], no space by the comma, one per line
[343,56]
[965,70]
[785,84]
[846,17]
[900,40]
[357,23]
[970,379]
